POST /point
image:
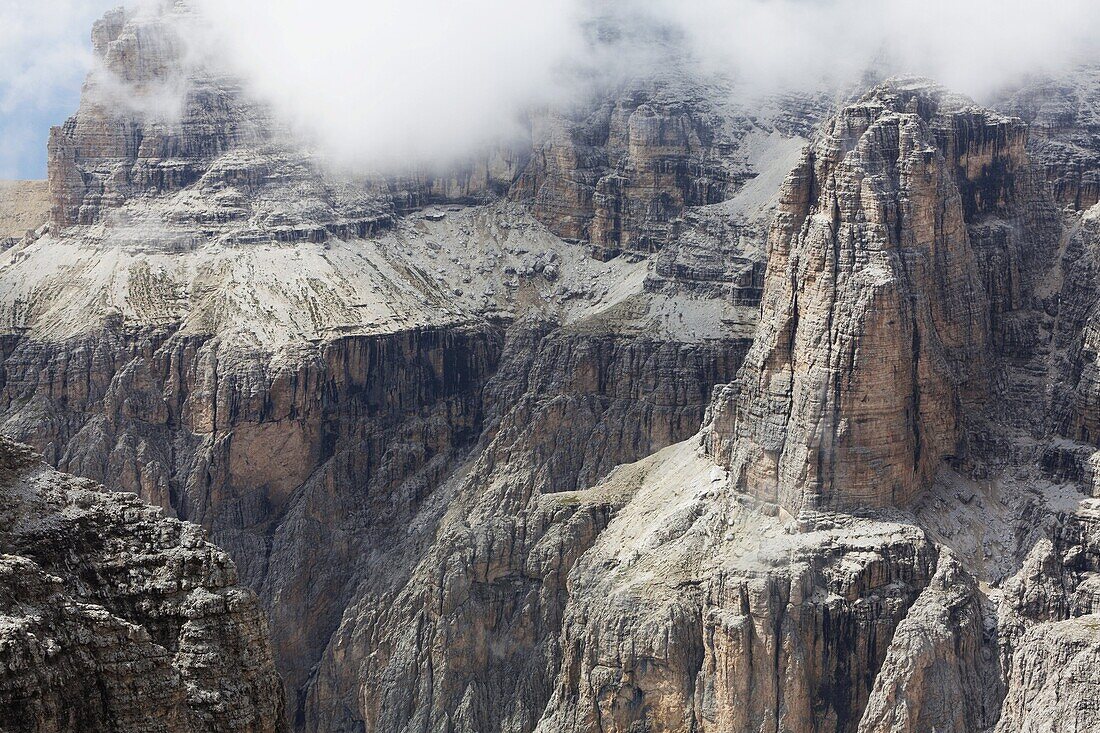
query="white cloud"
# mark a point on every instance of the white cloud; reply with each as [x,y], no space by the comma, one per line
[397,81]
[393,80]
[971,46]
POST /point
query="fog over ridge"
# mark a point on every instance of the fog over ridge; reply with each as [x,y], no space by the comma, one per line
[426,79]
[393,82]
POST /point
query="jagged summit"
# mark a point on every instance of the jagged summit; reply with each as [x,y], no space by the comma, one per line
[916,95]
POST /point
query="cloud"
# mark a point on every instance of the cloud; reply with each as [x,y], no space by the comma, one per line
[411,80]
[397,80]
[45,51]
[971,46]
[392,82]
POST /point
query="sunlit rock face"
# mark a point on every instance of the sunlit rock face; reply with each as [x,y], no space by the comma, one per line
[684,412]
[892,262]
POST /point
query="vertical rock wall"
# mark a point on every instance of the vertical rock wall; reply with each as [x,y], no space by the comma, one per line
[876,332]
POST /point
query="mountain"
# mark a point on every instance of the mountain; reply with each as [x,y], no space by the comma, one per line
[687,411]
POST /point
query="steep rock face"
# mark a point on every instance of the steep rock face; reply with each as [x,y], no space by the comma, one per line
[116,617]
[1064,116]
[876,323]
[263,452]
[404,426]
[466,631]
[575,404]
[1079,334]
[1053,681]
[163,122]
[941,672]
[621,175]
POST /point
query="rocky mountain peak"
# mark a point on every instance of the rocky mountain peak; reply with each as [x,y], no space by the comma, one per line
[115,617]
[875,335]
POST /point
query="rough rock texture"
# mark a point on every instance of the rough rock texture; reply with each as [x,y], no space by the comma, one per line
[620,176]
[876,325]
[1065,137]
[159,119]
[1053,680]
[694,613]
[318,421]
[114,617]
[457,453]
[1049,612]
[940,672]
[1076,405]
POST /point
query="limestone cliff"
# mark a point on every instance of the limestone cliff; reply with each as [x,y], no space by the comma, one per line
[880,309]
[234,344]
[1062,114]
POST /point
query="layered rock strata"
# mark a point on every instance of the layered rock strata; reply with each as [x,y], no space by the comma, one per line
[1065,131]
[405,425]
[621,176]
[302,365]
[877,326]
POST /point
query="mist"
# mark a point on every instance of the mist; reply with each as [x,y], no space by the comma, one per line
[399,81]
[977,47]
[396,82]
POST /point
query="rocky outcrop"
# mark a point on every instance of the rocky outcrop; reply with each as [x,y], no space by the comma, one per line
[692,612]
[1049,614]
[164,127]
[876,325]
[941,671]
[620,176]
[457,456]
[115,617]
